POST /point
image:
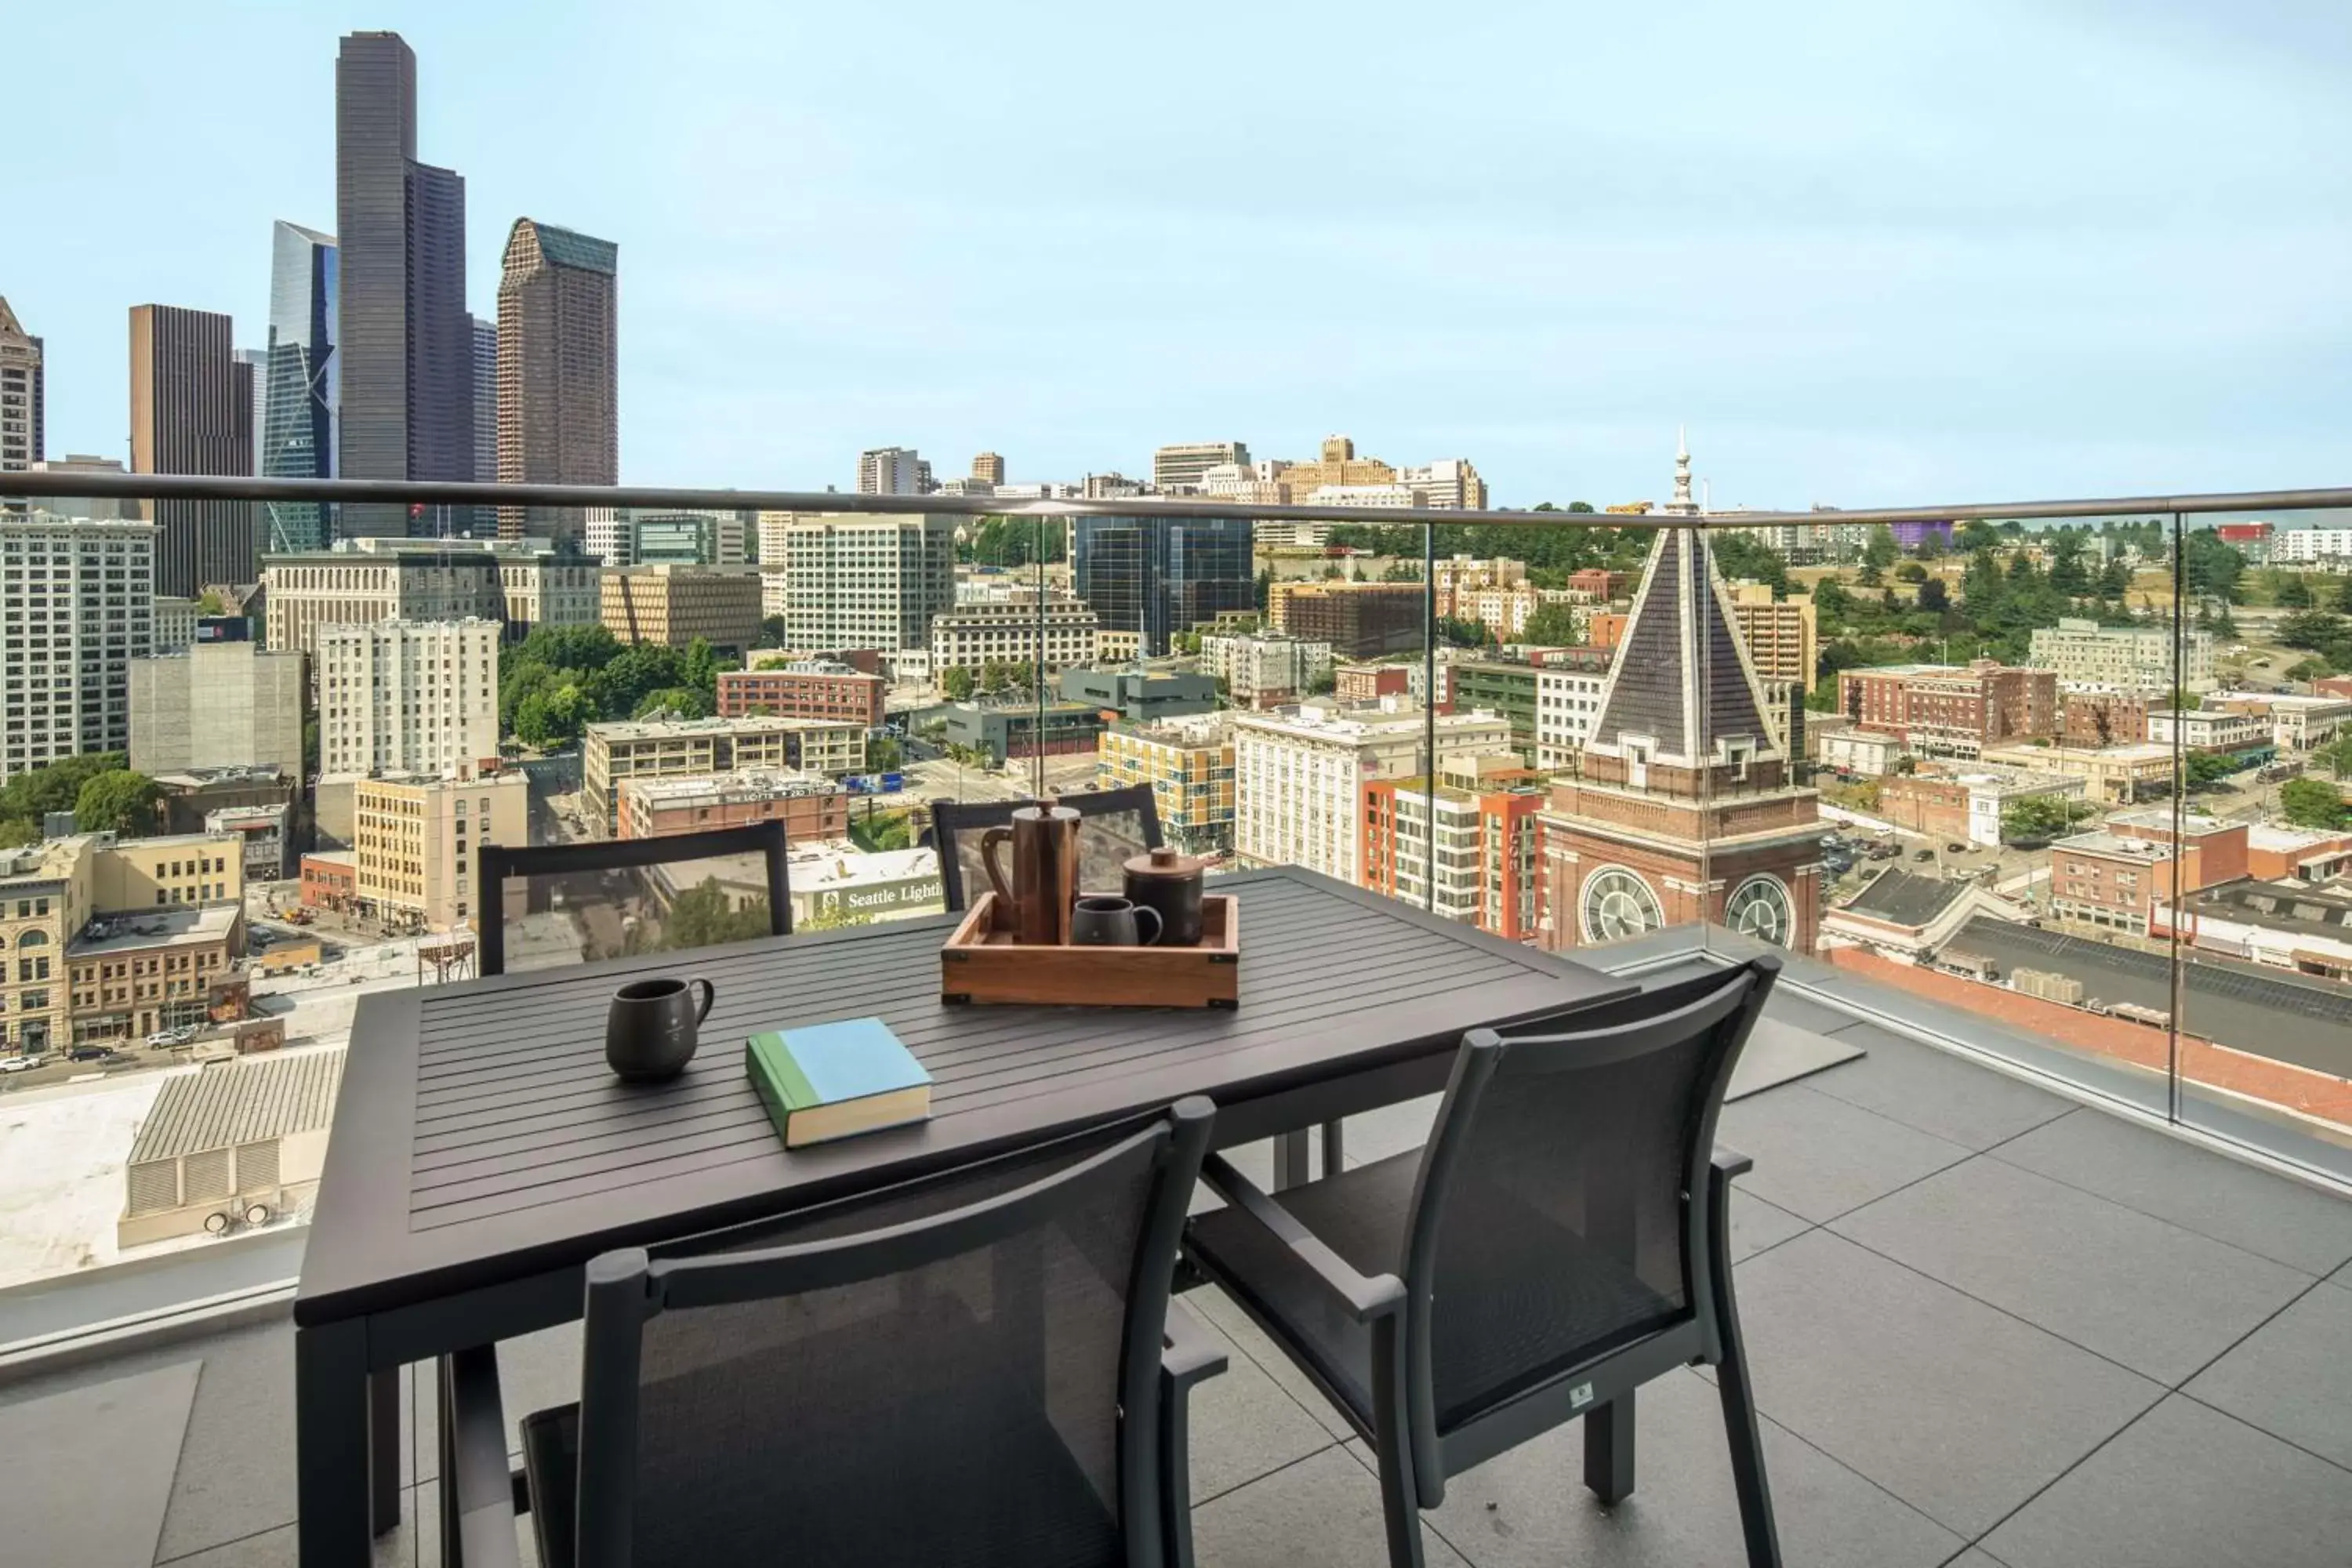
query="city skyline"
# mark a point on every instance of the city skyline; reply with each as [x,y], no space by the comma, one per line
[1829,334]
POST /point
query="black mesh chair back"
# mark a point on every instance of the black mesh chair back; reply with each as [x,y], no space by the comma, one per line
[571,903]
[1560,1212]
[962,1373]
[1117,825]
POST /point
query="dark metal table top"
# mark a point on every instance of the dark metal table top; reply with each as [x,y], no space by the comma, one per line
[480,1139]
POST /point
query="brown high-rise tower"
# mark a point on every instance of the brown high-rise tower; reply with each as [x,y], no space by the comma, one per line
[558,374]
[191,413]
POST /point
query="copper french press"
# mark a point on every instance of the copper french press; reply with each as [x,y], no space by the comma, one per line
[1035,901]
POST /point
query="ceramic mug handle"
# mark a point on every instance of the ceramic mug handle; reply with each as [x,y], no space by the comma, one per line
[709,995]
[1159,926]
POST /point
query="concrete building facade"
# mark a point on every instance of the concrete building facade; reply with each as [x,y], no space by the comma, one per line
[550,588]
[1056,636]
[303,593]
[216,705]
[813,809]
[23,398]
[612,753]
[78,604]
[1298,777]
[417,839]
[408,697]
[855,580]
[673,605]
[559,418]
[2087,657]
[805,689]
[1265,671]
[1189,764]
[191,413]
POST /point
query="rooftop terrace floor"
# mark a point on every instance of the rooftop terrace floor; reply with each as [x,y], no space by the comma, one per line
[1991,1326]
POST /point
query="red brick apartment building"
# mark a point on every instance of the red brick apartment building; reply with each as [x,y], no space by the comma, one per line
[2104,719]
[1361,685]
[813,808]
[1487,840]
[2114,875]
[843,695]
[1952,710]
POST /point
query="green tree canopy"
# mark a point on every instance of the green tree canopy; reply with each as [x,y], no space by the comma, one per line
[1740,555]
[1880,549]
[1551,625]
[2042,816]
[2313,803]
[772,633]
[957,683]
[701,918]
[117,801]
[553,717]
[680,701]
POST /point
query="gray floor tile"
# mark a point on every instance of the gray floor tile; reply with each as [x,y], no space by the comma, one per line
[125,1429]
[1974,1557]
[1321,1512]
[236,1465]
[1529,1506]
[2158,1298]
[1390,1130]
[1935,1090]
[1756,1224]
[1779,1052]
[1818,1157]
[1245,1425]
[2162,1175]
[1215,1308]
[2293,1377]
[2186,1488]
[410,1545]
[1804,1012]
[1961,1411]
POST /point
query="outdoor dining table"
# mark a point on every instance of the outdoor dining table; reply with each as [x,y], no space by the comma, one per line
[482,1153]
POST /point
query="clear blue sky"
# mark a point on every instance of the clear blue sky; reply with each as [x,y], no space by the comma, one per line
[1871,253]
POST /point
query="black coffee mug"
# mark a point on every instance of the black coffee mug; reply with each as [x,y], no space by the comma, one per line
[650,1032]
[1102,920]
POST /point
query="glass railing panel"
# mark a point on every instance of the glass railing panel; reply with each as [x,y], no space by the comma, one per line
[2255,907]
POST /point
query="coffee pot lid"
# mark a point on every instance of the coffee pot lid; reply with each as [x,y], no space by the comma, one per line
[1165,862]
[1045,810]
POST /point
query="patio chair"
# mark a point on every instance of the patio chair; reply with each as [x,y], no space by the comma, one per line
[497,862]
[1119,825]
[981,1367]
[1562,1239]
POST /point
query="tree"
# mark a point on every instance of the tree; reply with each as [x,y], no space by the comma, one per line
[2115,578]
[2309,803]
[772,633]
[1871,576]
[35,792]
[1933,595]
[1581,506]
[1551,625]
[996,677]
[2206,770]
[884,755]
[1910,572]
[1324,684]
[553,717]
[117,801]
[2290,592]
[957,683]
[702,918]
[210,603]
[1929,547]
[2337,756]
[1880,550]
[678,702]
[2209,566]
[1742,555]
[2042,816]
[2313,629]
[2067,572]
[832,917]
[2311,669]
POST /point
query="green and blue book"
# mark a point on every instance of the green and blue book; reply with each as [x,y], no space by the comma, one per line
[835,1080]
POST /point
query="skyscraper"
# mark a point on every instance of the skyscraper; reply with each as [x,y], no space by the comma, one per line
[65,689]
[486,401]
[404,336]
[300,404]
[256,374]
[559,370]
[1156,576]
[893,471]
[191,413]
[20,395]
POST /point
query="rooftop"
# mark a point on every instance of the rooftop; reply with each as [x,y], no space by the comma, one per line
[710,789]
[242,1101]
[688,729]
[1991,1327]
[1901,899]
[161,927]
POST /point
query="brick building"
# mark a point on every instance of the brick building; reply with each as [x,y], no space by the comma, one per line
[1952,710]
[1361,685]
[813,808]
[2104,717]
[806,691]
[1486,835]
[2114,877]
[1359,620]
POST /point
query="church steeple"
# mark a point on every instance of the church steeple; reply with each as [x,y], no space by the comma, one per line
[1683,688]
[1682,505]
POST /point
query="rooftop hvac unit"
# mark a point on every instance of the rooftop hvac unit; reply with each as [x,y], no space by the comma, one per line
[257,1214]
[218,1221]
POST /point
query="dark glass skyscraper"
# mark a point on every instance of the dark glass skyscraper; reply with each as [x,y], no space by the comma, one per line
[191,413]
[559,371]
[1156,576]
[404,338]
[299,408]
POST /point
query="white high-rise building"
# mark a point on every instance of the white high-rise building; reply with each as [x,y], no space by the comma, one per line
[2090,658]
[20,395]
[78,603]
[1567,703]
[857,581]
[1180,467]
[1299,777]
[893,471]
[407,697]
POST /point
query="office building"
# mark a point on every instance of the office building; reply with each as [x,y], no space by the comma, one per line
[1138,694]
[669,748]
[265,846]
[1023,730]
[558,371]
[1682,809]
[191,413]
[2088,656]
[1359,620]
[1189,762]
[1266,669]
[1152,577]
[301,396]
[893,471]
[813,809]
[254,372]
[860,581]
[22,400]
[1952,710]
[1052,636]
[1965,800]
[92,508]
[1782,638]
[81,605]
[2106,717]
[369,580]
[987,468]
[407,697]
[1450,484]
[175,623]
[2294,724]
[2301,546]
[1481,819]
[548,588]
[1337,468]
[404,338]
[1298,777]
[1568,704]
[1363,685]
[486,401]
[417,837]
[1495,594]
[1509,689]
[1180,468]
[807,688]
[673,605]
[216,705]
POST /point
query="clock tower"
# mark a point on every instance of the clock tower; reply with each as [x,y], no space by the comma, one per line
[1684,808]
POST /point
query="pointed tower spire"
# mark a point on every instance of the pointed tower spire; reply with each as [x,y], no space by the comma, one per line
[1683,685]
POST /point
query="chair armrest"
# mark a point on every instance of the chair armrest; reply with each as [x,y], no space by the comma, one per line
[1188,1354]
[1365,1298]
[479,1490]
[1729,1164]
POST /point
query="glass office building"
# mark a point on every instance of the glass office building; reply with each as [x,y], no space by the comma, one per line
[300,400]
[1155,577]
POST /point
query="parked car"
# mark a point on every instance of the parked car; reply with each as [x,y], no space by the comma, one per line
[16,1064]
[87,1053]
[1923,854]
[161,1037]
[1956,848]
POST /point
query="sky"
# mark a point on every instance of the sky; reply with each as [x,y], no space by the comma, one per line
[1936,252]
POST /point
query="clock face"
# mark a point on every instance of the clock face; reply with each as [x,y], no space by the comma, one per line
[1618,904]
[1759,907]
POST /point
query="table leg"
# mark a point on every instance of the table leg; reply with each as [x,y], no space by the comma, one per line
[331,1437]
[384,1450]
[1291,1160]
[1609,1449]
[1335,1151]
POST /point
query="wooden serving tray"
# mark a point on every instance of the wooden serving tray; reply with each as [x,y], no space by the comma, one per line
[981,964]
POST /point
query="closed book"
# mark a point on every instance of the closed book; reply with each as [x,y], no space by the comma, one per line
[833,1080]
